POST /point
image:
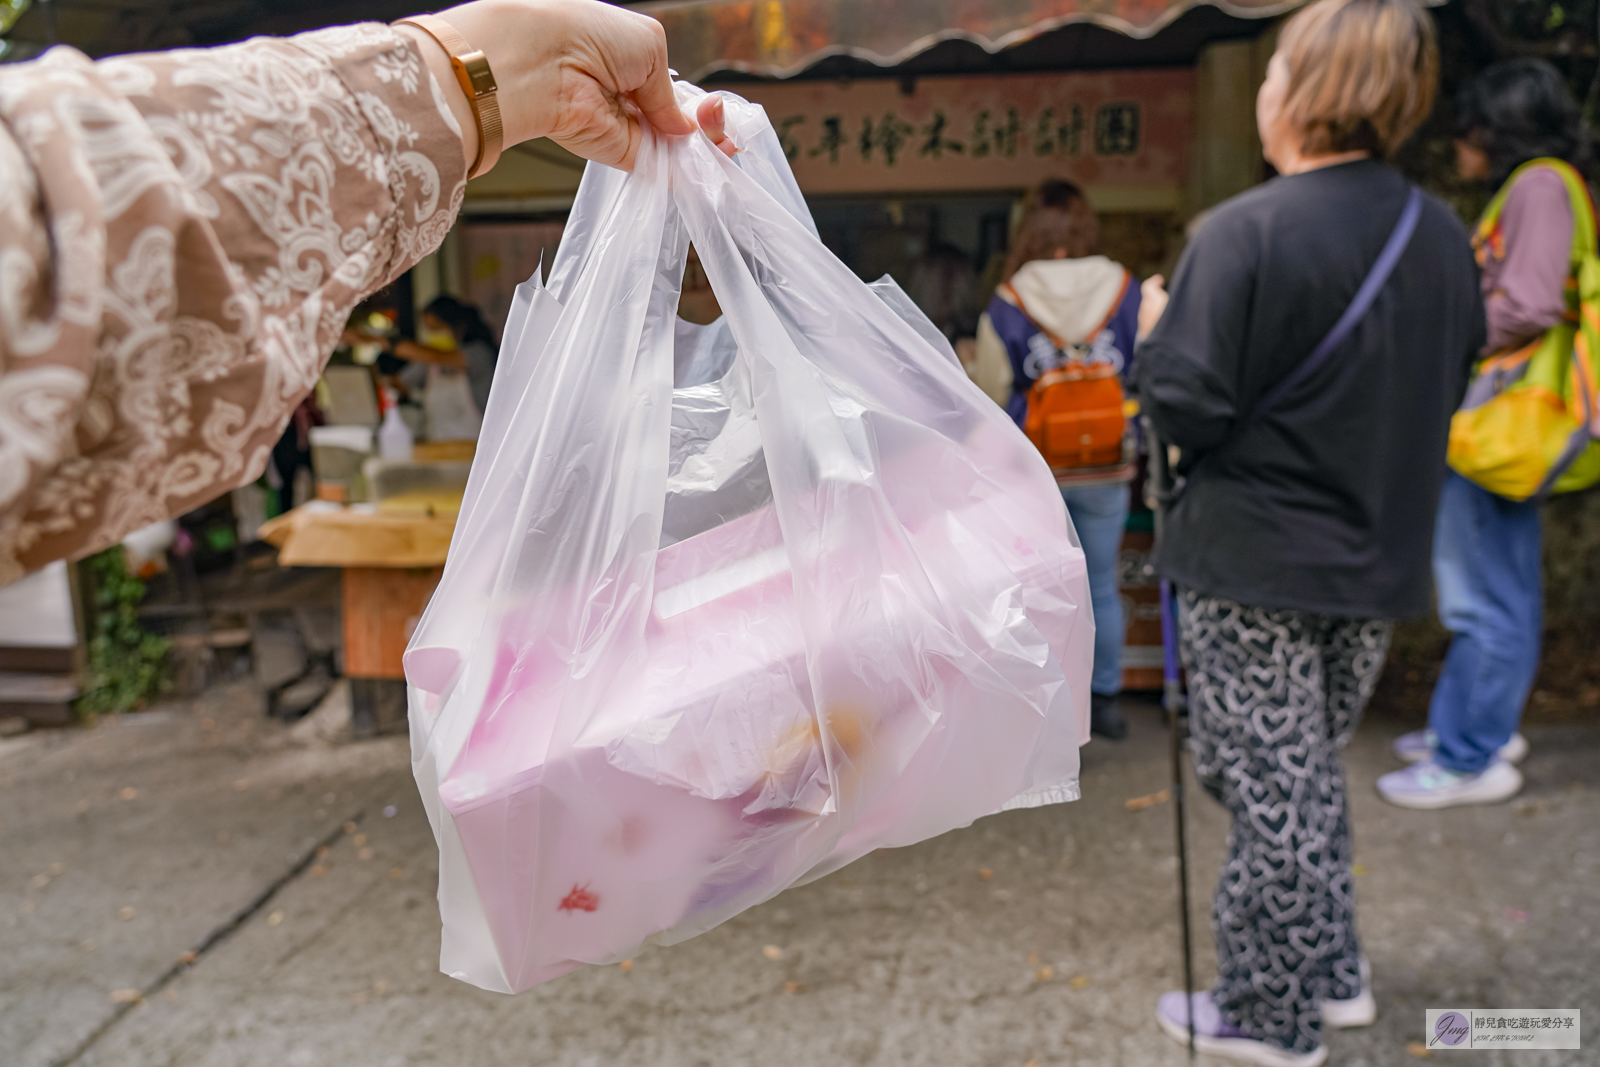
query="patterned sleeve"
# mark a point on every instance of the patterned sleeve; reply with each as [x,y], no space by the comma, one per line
[182,238]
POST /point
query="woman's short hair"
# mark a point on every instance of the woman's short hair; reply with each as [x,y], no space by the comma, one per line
[1517,110]
[1362,74]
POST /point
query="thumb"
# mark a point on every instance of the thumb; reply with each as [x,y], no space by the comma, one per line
[655,97]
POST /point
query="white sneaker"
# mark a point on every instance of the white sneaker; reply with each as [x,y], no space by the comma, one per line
[1213,1036]
[1359,1010]
[1419,745]
[1428,786]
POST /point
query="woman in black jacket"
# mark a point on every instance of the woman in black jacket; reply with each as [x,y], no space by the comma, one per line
[1305,525]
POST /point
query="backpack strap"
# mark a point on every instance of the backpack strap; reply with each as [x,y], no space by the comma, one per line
[1061,344]
[1485,238]
[1399,238]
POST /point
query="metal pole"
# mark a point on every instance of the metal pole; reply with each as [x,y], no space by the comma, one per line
[1159,494]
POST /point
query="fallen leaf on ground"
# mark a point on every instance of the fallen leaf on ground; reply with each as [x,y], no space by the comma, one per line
[1149,800]
[772,952]
[1080,981]
[380,988]
[625,966]
[318,870]
[794,987]
[1359,869]
[359,840]
[124,914]
[275,918]
[1033,960]
[396,873]
[1044,974]
[322,850]
[1031,1063]
[985,873]
[349,827]
[39,881]
[128,792]
[241,784]
[188,957]
[1419,1050]
[126,996]
[55,869]
[364,854]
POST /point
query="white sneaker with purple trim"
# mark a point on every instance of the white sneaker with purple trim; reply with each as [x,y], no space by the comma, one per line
[1428,786]
[1213,1036]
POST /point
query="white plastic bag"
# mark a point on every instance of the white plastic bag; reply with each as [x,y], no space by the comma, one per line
[694,645]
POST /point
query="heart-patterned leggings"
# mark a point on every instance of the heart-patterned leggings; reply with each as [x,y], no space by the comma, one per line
[1273,696]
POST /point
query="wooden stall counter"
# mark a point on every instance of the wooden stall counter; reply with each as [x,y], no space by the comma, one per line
[391,563]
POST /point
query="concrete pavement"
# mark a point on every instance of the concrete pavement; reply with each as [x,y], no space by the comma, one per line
[1037,936]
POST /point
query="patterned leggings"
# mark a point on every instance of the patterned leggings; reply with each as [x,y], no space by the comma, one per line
[1273,696]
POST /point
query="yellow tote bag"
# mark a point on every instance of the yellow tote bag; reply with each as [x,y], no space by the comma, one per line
[1531,419]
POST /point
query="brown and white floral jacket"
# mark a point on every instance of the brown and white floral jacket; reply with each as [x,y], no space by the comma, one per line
[182,237]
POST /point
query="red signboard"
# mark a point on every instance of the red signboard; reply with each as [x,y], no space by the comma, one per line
[1126,129]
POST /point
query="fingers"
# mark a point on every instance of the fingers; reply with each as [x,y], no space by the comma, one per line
[655,98]
[712,115]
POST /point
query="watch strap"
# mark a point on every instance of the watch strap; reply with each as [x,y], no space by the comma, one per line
[477,81]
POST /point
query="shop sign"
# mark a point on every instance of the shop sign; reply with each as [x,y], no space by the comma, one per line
[1116,128]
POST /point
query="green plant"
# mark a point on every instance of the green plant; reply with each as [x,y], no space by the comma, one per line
[127,664]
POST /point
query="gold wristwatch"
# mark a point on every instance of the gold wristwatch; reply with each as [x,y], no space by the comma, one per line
[477,81]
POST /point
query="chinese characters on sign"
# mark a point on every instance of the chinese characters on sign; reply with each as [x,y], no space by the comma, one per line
[1116,133]
[1128,128]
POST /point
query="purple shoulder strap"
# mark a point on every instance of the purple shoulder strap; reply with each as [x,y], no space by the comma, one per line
[1392,250]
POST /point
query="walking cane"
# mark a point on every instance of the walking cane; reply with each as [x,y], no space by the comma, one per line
[1159,495]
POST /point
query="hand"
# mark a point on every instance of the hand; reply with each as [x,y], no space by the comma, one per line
[581,72]
[1152,303]
[710,115]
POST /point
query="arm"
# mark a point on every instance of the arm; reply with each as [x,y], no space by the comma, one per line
[991,371]
[1188,370]
[185,234]
[1531,291]
[213,216]
[410,350]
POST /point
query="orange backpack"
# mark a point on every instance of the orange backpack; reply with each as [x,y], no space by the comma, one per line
[1075,411]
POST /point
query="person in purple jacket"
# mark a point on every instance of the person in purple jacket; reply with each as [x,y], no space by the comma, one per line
[1486,550]
[1053,284]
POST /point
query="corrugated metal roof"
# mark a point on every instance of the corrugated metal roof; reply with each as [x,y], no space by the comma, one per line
[780,38]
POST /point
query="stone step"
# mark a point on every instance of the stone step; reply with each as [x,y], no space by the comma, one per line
[41,699]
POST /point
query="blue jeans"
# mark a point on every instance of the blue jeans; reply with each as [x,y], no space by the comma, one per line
[1100,513]
[1486,570]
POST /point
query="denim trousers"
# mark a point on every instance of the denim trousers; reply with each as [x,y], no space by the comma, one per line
[1100,513]
[1486,570]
